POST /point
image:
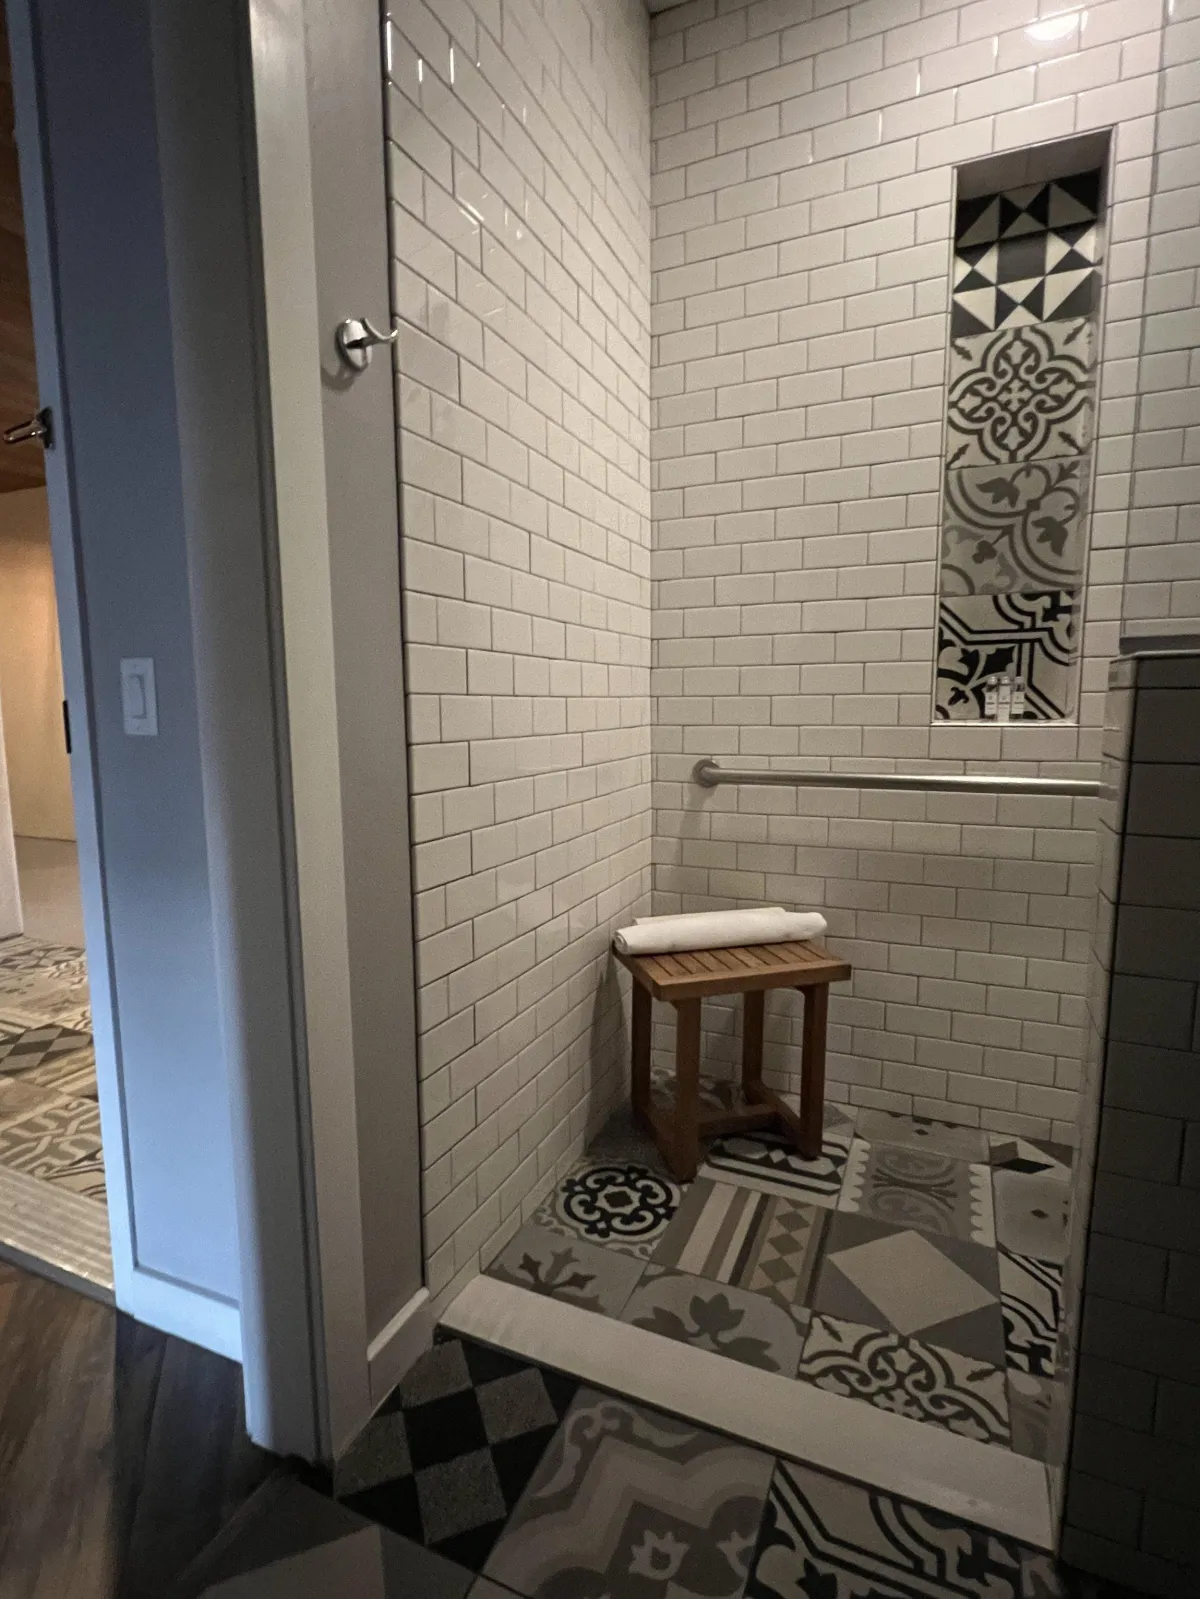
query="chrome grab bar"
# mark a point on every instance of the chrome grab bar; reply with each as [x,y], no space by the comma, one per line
[709,775]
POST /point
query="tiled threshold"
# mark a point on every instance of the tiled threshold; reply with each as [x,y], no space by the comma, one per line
[56,1233]
[975,1482]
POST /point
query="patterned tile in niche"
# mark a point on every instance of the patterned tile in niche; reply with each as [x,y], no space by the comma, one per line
[899,1280]
[447,1458]
[621,1205]
[1031,1293]
[568,1268]
[1021,394]
[1060,203]
[773,1165]
[922,1132]
[761,1242]
[632,1504]
[1031,1214]
[1031,636]
[907,1376]
[1022,282]
[824,1538]
[1014,529]
[920,1188]
[724,1320]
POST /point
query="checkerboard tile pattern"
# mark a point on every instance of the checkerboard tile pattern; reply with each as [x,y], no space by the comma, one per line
[448,1457]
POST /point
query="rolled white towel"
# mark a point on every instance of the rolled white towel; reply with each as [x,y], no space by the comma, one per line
[718,930]
[679,916]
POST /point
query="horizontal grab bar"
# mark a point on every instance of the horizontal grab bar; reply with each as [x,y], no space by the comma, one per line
[709,775]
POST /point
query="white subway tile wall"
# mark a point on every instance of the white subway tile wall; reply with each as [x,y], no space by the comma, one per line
[803,165]
[518,162]
[1162,573]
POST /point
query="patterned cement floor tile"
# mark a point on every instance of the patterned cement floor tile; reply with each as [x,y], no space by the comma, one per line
[922,1132]
[568,1268]
[824,1538]
[632,1504]
[772,1165]
[1031,1292]
[920,1188]
[760,1242]
[725,1320]
[619,1204]
[58,1142]
[907,1376]
[447,1458]
[944,1290]
[38,1047]
[1031,1213]
[1030,1156]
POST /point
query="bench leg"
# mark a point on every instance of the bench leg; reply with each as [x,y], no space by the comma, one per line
[752,1042]
[685,1136]
[639,1072]
[812,1087]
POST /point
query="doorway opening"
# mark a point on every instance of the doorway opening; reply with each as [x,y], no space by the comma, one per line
[53,1211]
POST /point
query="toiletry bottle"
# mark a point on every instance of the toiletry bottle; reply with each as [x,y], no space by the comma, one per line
[991,695]
[1018,699]
[1004,698]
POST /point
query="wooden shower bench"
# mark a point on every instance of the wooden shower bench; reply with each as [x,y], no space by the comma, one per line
[685,980]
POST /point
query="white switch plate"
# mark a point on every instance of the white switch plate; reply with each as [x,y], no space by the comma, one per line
[139,702]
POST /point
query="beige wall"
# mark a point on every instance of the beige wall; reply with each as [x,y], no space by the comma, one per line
[31,687]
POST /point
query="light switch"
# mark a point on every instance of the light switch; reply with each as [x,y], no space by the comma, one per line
[139,702]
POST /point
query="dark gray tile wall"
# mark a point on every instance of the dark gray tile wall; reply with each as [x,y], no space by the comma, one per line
[1132,1491]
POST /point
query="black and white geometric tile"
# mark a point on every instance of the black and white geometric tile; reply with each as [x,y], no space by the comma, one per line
[619,1204]
[1016,529]
[1031,636]
[772,1165]
[449,1455]
[1021,394]
[24,1050]
[943,1290]
[1027,256]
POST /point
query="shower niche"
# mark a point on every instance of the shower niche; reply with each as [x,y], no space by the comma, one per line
[1021,396]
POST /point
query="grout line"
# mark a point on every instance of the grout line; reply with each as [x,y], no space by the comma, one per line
[974,1481]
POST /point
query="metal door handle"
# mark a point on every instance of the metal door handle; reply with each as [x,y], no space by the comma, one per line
[35,429]
[355,339]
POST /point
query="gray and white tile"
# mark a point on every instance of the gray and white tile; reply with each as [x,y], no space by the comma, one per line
[621,1205]
[560,1267]
[773,1165]
[1032,1211]
[920,1188]
[1021,394]
[718,1317]
[922,1132]
[1014,529]
[1031,1295]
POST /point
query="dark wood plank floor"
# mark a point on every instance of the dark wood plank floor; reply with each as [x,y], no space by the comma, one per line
[122,1451]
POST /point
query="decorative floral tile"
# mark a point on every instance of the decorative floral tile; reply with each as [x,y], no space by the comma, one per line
[825,1538]
[1031,1214]
[772,1164]
[724,1320]
[899,1280]
[568,1268]
[1016,529]
[922,1132]
[1031,1293]
[621,1205]
[920,1188]
[1021,394]
[633,1504]
[907,1377]
[1031,636]
[763,1243]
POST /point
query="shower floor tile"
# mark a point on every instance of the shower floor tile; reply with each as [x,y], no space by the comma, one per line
[915,1267]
